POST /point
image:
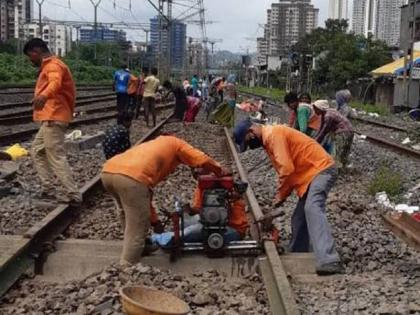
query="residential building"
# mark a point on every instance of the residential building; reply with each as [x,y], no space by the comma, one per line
[13,15]
[287,22]
[57,36]
[406,26]
[87,35]
[338,10]
[378,18]
[159,41]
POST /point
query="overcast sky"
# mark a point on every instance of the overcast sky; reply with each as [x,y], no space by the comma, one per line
[234,20]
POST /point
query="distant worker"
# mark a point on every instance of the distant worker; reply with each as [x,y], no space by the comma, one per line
[194,84]
[343,99]
[120,86]
[302,115]
[140,91]
[151,86]
[117,137]
[133,86]
[130,177]
[225,112]
[181,102]
[193,106]
[186,84]
[303,166]
[53,107]
[339,129]
[220,89]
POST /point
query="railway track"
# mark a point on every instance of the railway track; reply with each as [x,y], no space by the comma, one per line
[369,137]
[5,106]
[24,134]
[27,251]
[28,90]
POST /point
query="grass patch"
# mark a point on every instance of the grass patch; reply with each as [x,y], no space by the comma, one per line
[369,108]
[276,94]
[386,180]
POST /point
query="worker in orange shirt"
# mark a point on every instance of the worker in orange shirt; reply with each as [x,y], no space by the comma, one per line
[133,85]
[53,106]
[302,165]
[130,176]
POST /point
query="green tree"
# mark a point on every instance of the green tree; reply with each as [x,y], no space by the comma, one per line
[341,56]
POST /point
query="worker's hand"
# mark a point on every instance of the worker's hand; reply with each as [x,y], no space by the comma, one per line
[39,102]
[267,222]
[225,172]
[158,227]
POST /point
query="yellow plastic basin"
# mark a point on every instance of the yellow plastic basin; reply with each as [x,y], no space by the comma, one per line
[145,301]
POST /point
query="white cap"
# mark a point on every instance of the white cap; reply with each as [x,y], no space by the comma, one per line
[322,105]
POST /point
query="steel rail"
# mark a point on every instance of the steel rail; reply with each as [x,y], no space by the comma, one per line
[280,293]
[78,103]
[31,244]
[29,118]
[390,145]
[23,135]
[5,106]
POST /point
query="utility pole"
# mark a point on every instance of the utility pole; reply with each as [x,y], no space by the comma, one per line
[169,37]
[413,38]
[40,3]
[95,23]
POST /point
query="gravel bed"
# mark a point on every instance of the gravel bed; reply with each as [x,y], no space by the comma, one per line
[207,293]
[368,249]
[23,208]
[99,219]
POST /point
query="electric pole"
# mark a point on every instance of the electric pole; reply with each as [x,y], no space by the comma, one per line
[413,39]
[40,3]
[95,23]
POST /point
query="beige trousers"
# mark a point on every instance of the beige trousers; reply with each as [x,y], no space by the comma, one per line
[133,202]
[49,156]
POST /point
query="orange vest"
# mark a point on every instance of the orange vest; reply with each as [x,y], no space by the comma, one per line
[151,162]
[133,84]
[56,83]
[297,158]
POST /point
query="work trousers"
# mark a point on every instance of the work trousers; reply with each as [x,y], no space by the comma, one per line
[309,220]
[133,205]
[149,104]
[49,156]
[122,105]
[138,106]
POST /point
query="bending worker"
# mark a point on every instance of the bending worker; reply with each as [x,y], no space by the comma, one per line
[130,176]
[302,115]
[302,165]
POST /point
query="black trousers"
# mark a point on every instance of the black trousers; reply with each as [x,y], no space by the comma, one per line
[122,105]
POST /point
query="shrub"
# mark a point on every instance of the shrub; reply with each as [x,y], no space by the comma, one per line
[386,180]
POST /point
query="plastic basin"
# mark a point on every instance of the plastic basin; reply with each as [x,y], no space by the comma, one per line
[145,301]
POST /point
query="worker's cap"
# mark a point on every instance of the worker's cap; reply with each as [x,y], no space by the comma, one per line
[322,105]
[239,134]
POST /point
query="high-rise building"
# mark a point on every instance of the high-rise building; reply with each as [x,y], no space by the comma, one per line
[159,41]
[287,22]
[57,36]
[406,27]
[13,15]
[338,10]
[378,18]
[87,35]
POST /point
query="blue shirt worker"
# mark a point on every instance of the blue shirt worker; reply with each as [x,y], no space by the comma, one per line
[120,86]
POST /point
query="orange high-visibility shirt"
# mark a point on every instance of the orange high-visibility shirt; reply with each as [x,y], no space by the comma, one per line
[153,161]
[296,157]
[56,83]
[237,215]
[133,84]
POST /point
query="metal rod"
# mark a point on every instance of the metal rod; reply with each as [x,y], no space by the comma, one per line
[413,36]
